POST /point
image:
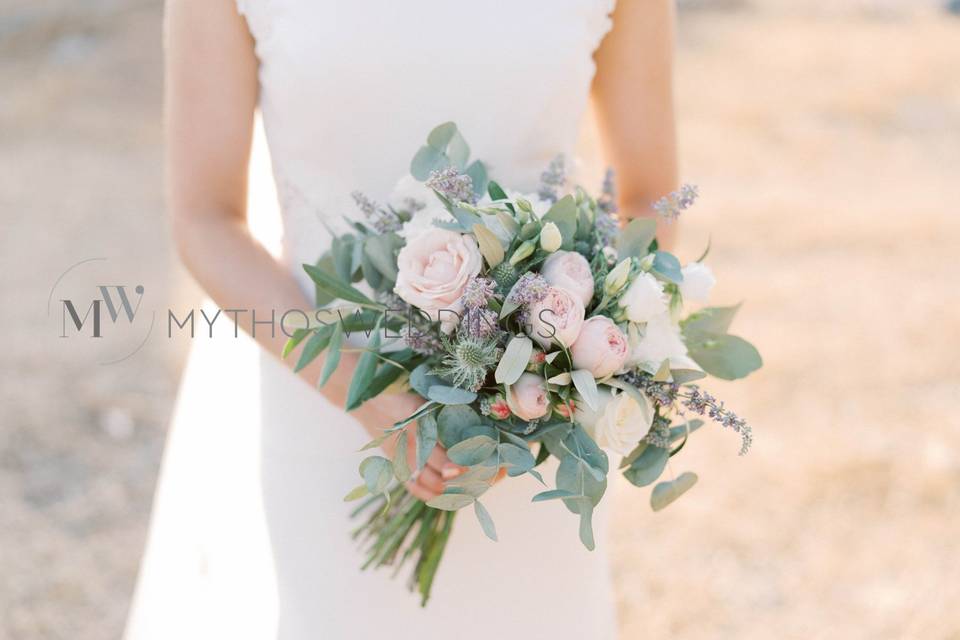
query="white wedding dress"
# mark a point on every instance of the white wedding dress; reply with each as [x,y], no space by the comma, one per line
[250,536]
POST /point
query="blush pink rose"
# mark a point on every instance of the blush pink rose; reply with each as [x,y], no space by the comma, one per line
[601,349]
[528,397]
[557,318]
[571,271]
[434,269]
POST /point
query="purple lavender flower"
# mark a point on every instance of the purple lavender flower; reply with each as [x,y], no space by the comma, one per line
[702,403]
[452,185]
[480,323]
[383,220]
[529,289]
[478,293]
[608,199]
[552,179]
[671,206]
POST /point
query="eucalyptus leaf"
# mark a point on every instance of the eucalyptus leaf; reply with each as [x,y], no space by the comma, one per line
[667,267]
[376,472]
[426,438]
[451,501]
[681,430]
[586,524]
[478,174]
[356,493]
[711,320]
[514,361]
[450,395]
[647,467]
[441,135]
[381,251]
[401,466]
[376,442]
[724,356]
[519,459]
[454,421]
[472,450]
[426,161]
[586,385]
[564,214]
[553,494]
[635,239]
[666,492]
[486,522]
[458,150]
[421,379]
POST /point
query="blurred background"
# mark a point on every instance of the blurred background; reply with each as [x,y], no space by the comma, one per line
[825,138]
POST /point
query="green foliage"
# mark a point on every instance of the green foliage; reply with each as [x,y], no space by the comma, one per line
[724,356]
[635,239]
[514,360]
[666,492]
[332,286]
[364,373]
[667,267]
[486,522]
[564,215]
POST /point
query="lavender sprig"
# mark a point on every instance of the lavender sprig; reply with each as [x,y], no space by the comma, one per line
[552,179]
[702,403]
[383,220]
[671,206]
[452,185]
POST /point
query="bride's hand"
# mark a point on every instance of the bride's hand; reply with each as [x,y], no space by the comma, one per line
[385,410]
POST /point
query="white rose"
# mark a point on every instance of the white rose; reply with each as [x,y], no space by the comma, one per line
[644,298]
[697,282]
[434,269]
[661,341]
[619,424]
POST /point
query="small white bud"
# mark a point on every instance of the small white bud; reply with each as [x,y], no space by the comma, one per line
[550,237]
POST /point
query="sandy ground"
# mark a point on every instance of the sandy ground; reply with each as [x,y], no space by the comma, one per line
[826,142]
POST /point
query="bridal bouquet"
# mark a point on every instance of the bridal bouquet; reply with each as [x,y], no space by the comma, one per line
[534,326]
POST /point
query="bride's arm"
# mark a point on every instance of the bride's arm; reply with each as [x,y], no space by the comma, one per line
[633,99]
[211,94]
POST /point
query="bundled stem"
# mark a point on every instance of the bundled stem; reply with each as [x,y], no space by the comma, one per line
[388,538]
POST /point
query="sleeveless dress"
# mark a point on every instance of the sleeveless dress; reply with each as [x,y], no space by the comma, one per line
[250,536]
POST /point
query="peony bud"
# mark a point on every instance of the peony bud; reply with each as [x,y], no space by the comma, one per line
[550,238]
[617,278]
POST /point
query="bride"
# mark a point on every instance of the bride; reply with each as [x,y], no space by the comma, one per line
[347,91]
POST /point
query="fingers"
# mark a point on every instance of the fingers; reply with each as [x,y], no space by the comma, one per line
[439,461]
[427,485]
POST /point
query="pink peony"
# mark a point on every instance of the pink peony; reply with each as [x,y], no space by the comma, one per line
[570,270]
[556,318]
[528,397]
[434,269]
[601,349]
